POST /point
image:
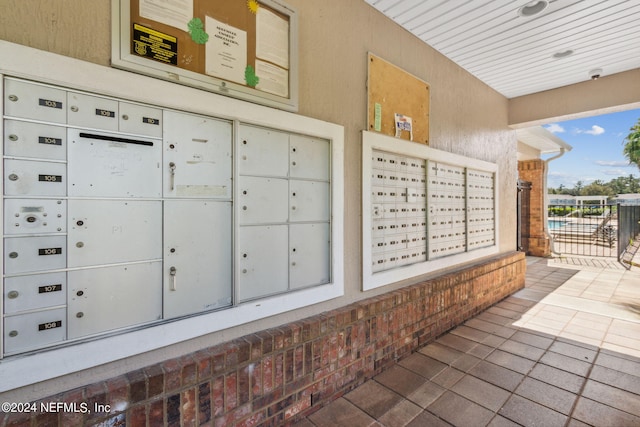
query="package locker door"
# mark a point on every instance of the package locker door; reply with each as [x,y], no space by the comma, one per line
[197,256]
[263,152]
[197,156]
[309,255]
[108,298]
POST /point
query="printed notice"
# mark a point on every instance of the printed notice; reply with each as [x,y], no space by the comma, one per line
[176,13]
[226,51]
[155,45]
[273,79]
[272,38]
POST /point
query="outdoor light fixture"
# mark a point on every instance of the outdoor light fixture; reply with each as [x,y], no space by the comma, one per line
[595,73]
[533,8]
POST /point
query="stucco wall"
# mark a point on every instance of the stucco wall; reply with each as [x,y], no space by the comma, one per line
[466,117]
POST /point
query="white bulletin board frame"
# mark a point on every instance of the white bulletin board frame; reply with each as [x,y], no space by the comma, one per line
[121,57]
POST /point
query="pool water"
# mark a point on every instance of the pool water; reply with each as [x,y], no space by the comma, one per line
[555,224]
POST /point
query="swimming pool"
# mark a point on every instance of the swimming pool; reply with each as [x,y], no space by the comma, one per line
[555,224]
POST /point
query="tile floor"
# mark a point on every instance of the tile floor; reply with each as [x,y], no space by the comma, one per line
[564,351]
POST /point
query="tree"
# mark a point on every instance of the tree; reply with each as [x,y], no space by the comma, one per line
[631,148]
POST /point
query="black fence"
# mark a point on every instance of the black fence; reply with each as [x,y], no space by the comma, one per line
[589,230]
[628,227]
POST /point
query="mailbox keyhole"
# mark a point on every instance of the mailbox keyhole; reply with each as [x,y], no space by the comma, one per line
[80,223]
[31,219]
[80,293]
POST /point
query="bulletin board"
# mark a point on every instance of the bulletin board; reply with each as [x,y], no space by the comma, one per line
[392,91]
[241,48]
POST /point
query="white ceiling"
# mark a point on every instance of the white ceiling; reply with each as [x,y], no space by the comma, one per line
[514,54]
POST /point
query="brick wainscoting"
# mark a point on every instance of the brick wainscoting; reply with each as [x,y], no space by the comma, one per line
[277,376]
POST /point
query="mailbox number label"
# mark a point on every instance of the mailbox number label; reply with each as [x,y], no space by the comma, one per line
[50,178]
[50,325]
[150,121]
[50,251]
[105,113]
[49,103]
[49,141]
[49,288]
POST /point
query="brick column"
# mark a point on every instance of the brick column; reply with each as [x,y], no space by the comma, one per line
[534,171]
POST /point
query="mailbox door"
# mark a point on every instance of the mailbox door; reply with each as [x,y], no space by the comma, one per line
[197,156]
[309,201]
[309,255]
[35,216]
[197,256]
[35,140]
[34,292]
[31,331]
[34,101]
[103,299]
[30,254]
[309,157]
[263,200]
[140,120]
[263,261]
[110,231]
[109,165]
[263,152]
[33,178]
[93,112]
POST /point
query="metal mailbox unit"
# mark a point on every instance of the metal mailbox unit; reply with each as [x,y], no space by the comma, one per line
[424,209]
[119,214]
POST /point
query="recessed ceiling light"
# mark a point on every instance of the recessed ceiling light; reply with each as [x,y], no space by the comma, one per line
[595,73]
[533,8]
[562,54]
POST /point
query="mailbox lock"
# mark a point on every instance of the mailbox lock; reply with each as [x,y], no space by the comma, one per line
[125,117]
[79,245]
[13,98]
[80,223]
[79,315]
[31,218]
[244,208]
[172,250]
[74,108]
[244,270]
[13,255]
[244,192]
[80,293]
[244,255]
[13,137]
[13,334]
[172,146]
[13,294]
[13,177]
[172,272]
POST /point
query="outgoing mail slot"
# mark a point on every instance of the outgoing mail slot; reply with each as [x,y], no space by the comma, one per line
[34,140]
[197,157]
[33,292]
[103,299]
[110,231]
[34,101]
[27,254]
[32,331]
[35,216]
[308,201]
[309,255]
[263,255]
[262,200]
[92,111]
[309,157]
[263,152]
[33,178]
[111,165]
[140,119]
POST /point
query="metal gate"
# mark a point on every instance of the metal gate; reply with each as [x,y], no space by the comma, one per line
[628,227]
[589,230]
[524,208]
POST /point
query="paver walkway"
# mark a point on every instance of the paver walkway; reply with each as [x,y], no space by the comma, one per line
[564,351]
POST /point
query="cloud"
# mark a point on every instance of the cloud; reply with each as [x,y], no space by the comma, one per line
[595,130]
[555,128]
[612,163]
[615,172]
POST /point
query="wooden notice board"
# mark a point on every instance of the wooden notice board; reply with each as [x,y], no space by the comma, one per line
[392,91]
[241,48]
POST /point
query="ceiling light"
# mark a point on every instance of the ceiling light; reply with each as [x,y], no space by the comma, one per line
[533,8]
[562,54]
[595,73]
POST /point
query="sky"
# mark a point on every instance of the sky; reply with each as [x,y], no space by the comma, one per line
[597,149]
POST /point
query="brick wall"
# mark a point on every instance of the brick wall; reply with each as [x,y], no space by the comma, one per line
[275,377]
[534,171]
